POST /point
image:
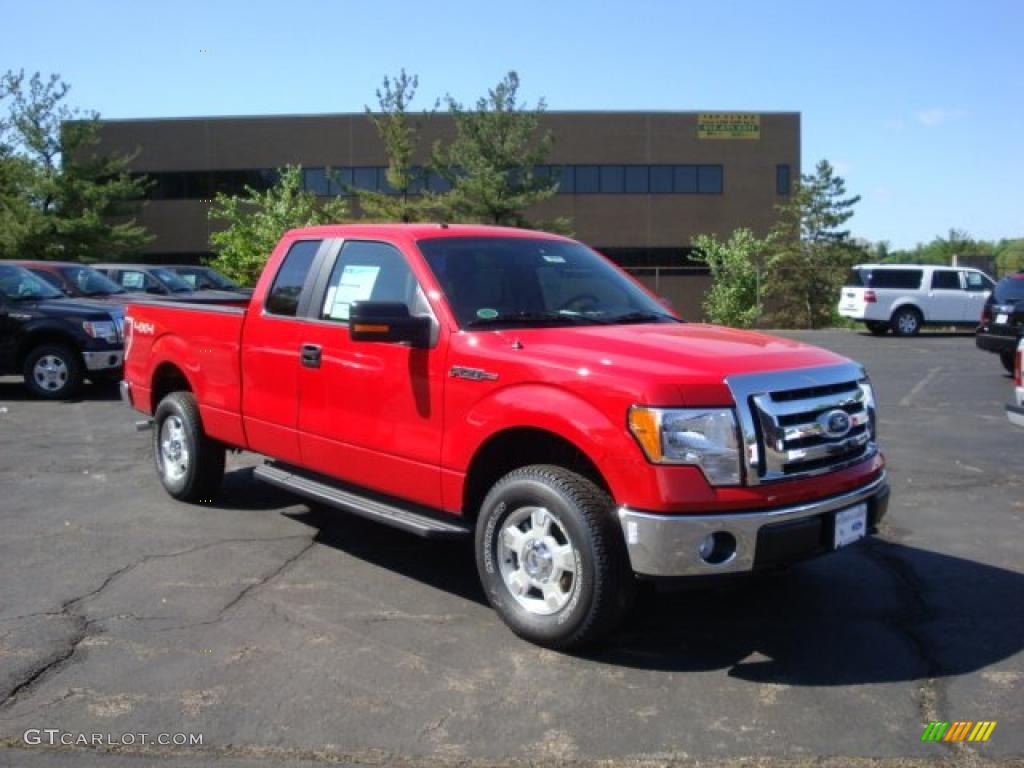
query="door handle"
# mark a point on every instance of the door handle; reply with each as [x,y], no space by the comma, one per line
[310,355]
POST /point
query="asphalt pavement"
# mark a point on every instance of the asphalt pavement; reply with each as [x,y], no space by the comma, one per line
[289,634]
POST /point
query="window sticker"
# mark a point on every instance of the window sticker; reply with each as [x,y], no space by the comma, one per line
[486,313]
[356,284]
[553,258]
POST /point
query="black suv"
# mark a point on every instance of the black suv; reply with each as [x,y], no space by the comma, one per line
[1002,319]
[56,342]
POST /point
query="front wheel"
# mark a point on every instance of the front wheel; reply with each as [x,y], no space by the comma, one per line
[1007,359]
[190,464]
[53,371]
[551,557]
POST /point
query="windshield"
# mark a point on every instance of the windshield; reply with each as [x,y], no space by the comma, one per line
[89,282]
[19,284]
[1009,289]
[204,277]
[169,279]
[510,281]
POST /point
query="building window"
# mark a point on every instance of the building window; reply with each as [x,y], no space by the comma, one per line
[366,179]
[782,179]
[685,180]
[613,179]
[340,182]
[636,179]
[661,179]
[566,176]
[709,180]
[315,181]
[588,179]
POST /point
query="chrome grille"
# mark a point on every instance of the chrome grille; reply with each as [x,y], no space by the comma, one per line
[804,422]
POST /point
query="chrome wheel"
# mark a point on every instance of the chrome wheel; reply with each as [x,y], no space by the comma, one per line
[50,373]
[174,453]
[906,323]
[537,560]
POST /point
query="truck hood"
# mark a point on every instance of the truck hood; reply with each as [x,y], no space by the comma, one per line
[688,361]
[71,308]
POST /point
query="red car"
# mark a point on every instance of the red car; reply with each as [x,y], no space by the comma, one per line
[518,388]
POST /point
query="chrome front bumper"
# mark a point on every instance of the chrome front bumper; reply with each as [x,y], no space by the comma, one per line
[102,361]
[667,545]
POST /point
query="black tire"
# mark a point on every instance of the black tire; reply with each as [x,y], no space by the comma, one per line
[53,371]
[1008,359]
[600,584]
[194,471]
[877,328]
[907,321]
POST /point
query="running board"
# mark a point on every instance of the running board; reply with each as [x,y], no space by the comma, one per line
[326,492]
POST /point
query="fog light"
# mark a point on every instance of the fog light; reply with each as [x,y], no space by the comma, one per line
[717,548]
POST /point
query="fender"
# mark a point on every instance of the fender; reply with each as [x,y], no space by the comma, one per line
[47,325]
[904,301]
[544,406]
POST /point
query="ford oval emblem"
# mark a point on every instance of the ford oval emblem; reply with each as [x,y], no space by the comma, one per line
[835,423]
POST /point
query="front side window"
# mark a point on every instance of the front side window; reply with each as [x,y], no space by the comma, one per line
[493,282]
[19,284]
[945,280]
[283,298]
[976,281]
[370,271]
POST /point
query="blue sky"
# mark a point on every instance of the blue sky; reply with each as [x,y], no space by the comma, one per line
[920,105]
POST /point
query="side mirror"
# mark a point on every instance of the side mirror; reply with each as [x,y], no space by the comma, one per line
[387,321]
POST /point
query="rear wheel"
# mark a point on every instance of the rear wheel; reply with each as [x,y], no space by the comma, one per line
[906,321]
[1007,359]
[551,557]
[53,371]
[877,328]
[190,464]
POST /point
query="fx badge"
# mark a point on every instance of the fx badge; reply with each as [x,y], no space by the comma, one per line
[473,374]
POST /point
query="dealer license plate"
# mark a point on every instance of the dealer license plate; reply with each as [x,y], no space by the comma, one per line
[851,525]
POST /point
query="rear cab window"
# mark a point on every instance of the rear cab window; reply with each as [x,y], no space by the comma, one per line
[283,298]
[1009,290]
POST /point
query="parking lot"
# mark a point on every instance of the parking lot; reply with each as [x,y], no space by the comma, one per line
[285,633]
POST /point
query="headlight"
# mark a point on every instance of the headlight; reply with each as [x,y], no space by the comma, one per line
[870,406]
[101,329]
[704,437]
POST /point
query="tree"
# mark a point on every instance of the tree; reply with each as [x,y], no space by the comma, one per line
[255,222]
[59,197]
[733,298]
[407,198]
[811,251]
[490,163]
[1010,256]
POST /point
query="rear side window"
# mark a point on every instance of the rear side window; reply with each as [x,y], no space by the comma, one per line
[945,280]
[893,278]
[283,298]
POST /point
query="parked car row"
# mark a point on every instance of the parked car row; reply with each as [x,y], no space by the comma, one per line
[62,322]
[904,298]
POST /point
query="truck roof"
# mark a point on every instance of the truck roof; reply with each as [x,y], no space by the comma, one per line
[421,231]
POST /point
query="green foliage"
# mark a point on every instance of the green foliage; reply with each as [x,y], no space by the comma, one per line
[399,133]
[811,251]
[1010,257]
[733,298]
[941,250]
[491,160]
[253,223]
[60,199]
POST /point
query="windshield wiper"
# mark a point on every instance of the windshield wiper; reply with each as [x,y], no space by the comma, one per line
[642,317]
[533,317]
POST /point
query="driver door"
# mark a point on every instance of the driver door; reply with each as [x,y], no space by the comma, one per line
[370,411]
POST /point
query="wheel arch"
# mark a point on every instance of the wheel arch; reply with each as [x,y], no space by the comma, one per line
[45,335]
[167,378]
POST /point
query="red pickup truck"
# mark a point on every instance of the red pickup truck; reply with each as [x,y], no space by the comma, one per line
[519,388]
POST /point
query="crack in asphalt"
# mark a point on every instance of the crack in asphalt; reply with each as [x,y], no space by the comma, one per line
[907,624]
[69,609]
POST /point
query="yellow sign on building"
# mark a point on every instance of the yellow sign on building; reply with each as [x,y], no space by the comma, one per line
[728,125]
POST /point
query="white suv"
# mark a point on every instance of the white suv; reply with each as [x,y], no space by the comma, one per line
[905,297]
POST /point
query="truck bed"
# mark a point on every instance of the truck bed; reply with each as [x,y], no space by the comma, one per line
[203,341]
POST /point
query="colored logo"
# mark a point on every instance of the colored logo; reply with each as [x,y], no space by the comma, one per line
[835,423]
[958,730]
